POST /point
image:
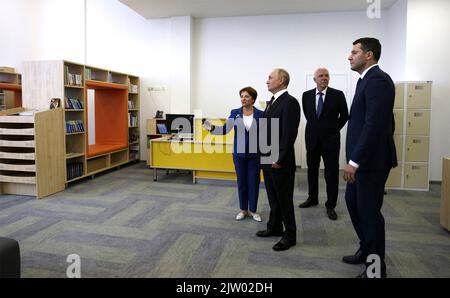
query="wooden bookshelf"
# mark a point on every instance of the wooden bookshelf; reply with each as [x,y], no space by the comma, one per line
[31,152]
[70,82]
[153,133]
[10,90]
[133,118]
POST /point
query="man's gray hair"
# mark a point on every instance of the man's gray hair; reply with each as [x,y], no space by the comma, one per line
[284,76]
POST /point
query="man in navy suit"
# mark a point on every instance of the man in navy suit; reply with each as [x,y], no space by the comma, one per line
[326,113]
[283,118]
[370,151]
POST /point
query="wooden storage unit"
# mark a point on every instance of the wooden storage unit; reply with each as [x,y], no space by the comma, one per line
[153,133]
[445,200]
[70,82]
[98,164]
[133,118]
[111,131]
[412,110]
[118,158]
[10,90]
[32,152]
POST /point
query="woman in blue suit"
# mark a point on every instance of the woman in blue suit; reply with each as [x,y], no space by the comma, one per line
[246,157]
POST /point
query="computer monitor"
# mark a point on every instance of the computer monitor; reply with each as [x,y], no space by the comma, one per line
[180,123]
[162,128]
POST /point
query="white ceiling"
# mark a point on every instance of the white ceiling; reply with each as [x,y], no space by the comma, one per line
[226,8]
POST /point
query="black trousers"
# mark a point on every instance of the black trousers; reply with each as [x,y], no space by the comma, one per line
[364,200]
[330,157]
[280,192]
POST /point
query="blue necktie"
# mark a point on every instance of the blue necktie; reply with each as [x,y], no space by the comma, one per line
[320,105]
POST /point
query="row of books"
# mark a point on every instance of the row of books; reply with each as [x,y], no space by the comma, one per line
[132,120]
[72,103]
[72,79]
[131,105]
[134,152]
[132,88]
[74,170]
[74,126]
[97,75]
[88,74]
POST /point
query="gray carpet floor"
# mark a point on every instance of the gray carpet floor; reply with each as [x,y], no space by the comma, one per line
[123,224]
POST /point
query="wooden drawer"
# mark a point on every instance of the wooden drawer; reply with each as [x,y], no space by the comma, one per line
[17,166]
[17,119]
[17,155]
[17,131]
[25,144]
[18,179]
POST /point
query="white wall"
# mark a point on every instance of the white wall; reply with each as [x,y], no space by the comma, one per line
[180,64]
[41,29]
[427,50]
[393,55]
[234,52]
[117,38]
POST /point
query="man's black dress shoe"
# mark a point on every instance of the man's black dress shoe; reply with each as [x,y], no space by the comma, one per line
[331,214]
[268,233]
[357,258]
[283,244]
[308,203]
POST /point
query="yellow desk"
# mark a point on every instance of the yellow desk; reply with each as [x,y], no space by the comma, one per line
[206,160]
[207,156]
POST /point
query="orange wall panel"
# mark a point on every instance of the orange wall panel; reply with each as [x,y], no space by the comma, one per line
[111,116]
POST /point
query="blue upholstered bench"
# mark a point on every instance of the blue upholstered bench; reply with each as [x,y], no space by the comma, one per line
[9,258]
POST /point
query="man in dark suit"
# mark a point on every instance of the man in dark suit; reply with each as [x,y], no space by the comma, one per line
[370,151]
[326,113]
[282,115]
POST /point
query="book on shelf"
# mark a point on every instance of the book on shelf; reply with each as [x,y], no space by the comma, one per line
[131,105]
[132,88]
[88,74]
[72,79]
[74,126]
[74,170]
[134,152]
[72,103]
[132,120]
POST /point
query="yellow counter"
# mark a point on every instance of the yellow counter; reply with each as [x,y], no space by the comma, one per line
[205,159]
[208,156]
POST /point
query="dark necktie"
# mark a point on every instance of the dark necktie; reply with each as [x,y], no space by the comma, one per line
[357,84]
[356,91]
[320,105]
[269,103]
